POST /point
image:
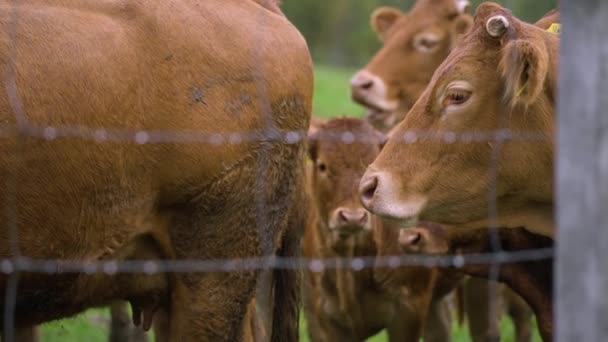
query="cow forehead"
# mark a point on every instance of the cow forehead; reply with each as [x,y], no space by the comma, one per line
[470,49]
[353,155]
[412,23]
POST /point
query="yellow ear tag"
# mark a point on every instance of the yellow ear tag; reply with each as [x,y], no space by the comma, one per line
[555,28]
[521,91]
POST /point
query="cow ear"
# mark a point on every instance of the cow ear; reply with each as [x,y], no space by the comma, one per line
[312,143]
[463,6]
[383,19]
[524,68]
[461,26]
[382,139]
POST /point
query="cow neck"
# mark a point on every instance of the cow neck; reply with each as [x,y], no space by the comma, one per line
[347,283]
[538,220]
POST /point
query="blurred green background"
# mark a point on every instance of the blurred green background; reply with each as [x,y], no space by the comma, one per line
[338,31]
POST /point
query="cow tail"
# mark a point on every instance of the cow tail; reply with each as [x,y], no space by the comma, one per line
[459,298]
[286,283]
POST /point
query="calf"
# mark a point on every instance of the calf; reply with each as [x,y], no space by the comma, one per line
[531,279]
[346,304]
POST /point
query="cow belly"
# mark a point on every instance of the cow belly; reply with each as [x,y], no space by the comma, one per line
[72,199]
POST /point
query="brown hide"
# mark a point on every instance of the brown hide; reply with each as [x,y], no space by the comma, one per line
[414,45]
[390,62]
[181,70]
[486,85]
[429,287]
[343,304]
[532,280]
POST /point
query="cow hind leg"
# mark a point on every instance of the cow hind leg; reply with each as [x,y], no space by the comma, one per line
[438,327]
[521,314]
[122,328]
[406,326]
[121,324]
[211,306]
[482,310]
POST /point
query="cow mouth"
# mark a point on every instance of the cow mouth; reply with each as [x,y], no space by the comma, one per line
[377,114]
[380,119]
[374,104]
[344,232]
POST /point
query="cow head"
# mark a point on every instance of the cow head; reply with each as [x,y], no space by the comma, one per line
[340,150]
[414,45]
[443,162]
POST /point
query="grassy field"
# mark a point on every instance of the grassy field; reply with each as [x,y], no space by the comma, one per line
[331,99]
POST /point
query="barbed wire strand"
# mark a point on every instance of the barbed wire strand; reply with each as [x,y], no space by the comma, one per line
[23,129]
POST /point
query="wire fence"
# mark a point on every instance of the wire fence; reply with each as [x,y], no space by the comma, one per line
[100,135]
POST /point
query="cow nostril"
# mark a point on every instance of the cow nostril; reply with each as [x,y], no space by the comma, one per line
[368,188]
[363,217]
[414,239]
[352,217]
[366,85]
[410,241]
[342,216]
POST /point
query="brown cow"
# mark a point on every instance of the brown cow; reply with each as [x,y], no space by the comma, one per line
[414,45]
[110,115]
[531,279]
[405,73]
[344,304]
[428,289]
[513,304]
[494,93]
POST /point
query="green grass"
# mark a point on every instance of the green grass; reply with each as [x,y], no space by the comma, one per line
[91,326]
[332,93]
[331,98]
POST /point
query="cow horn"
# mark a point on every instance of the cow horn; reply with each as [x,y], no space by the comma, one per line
[462,5]
[497,26]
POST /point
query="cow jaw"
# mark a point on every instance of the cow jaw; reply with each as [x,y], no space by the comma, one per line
[371,91]
[535,220]
[381,120]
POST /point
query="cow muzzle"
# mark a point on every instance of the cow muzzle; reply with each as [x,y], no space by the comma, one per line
[379,195]
[348,221]
[429,239]
[370,91]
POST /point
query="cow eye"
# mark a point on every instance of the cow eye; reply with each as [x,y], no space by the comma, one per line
[456,94]
[321,167]
[456,97]
[426,42]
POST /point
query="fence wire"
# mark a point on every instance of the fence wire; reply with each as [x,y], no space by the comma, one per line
[100,135]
